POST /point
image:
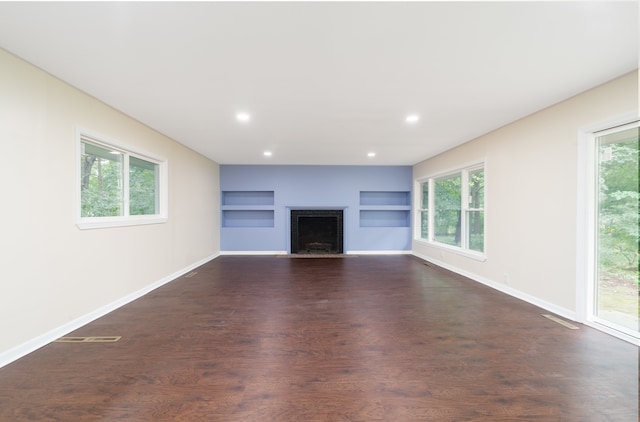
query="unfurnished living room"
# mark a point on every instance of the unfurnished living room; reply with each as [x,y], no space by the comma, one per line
[319,211]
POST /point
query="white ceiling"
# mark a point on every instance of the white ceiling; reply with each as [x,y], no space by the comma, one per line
[326,82]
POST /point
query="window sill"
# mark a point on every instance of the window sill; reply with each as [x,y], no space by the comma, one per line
[104,222]
[478,256]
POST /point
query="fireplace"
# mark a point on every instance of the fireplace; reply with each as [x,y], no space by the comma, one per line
[316,232]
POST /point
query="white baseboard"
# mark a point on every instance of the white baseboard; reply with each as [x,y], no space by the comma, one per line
[393,252]
[563,312]
[253,252]
[615,333]
[23,349]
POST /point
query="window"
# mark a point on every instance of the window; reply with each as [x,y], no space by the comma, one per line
[118,186]
[447,215]
[452,210]
[424,211]
[143,187]
[475,211]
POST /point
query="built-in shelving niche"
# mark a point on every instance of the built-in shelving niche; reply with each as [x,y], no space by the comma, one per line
[385,209]
[248,209]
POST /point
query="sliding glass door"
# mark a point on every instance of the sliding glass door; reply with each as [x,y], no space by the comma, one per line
[617,282]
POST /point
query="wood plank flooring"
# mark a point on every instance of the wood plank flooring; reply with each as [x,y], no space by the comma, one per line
[374,338]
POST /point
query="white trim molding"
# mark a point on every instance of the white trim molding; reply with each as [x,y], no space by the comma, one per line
[558,310]
[389,252]
[253,253]
[385,252]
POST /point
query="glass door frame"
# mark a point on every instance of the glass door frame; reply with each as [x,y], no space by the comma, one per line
[586,238]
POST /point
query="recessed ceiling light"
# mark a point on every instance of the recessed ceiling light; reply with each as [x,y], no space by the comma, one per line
[371,154]
[412,118]
[243,117]
[267,153]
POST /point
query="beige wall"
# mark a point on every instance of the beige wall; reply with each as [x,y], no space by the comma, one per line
[531,200]
[53,273]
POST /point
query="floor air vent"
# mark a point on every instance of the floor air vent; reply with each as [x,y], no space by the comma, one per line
[103,339]
[560,321]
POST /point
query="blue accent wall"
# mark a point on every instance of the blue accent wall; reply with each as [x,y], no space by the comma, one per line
[256,203]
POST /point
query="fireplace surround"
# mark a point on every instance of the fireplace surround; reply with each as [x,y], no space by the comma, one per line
[318,231]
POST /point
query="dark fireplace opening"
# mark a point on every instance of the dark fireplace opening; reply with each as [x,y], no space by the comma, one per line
[316,232]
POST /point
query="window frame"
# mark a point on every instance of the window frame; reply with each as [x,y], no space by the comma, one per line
[432,216]
[465,207]
[588,221]
[421,210]
[127,151]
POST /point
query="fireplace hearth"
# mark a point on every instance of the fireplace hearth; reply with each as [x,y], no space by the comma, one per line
[316,231]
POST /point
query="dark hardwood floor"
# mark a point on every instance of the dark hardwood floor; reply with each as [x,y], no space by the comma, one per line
[384,338]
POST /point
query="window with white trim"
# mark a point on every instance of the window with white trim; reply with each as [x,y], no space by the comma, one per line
[452,209]
[424,210]
[119,186]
